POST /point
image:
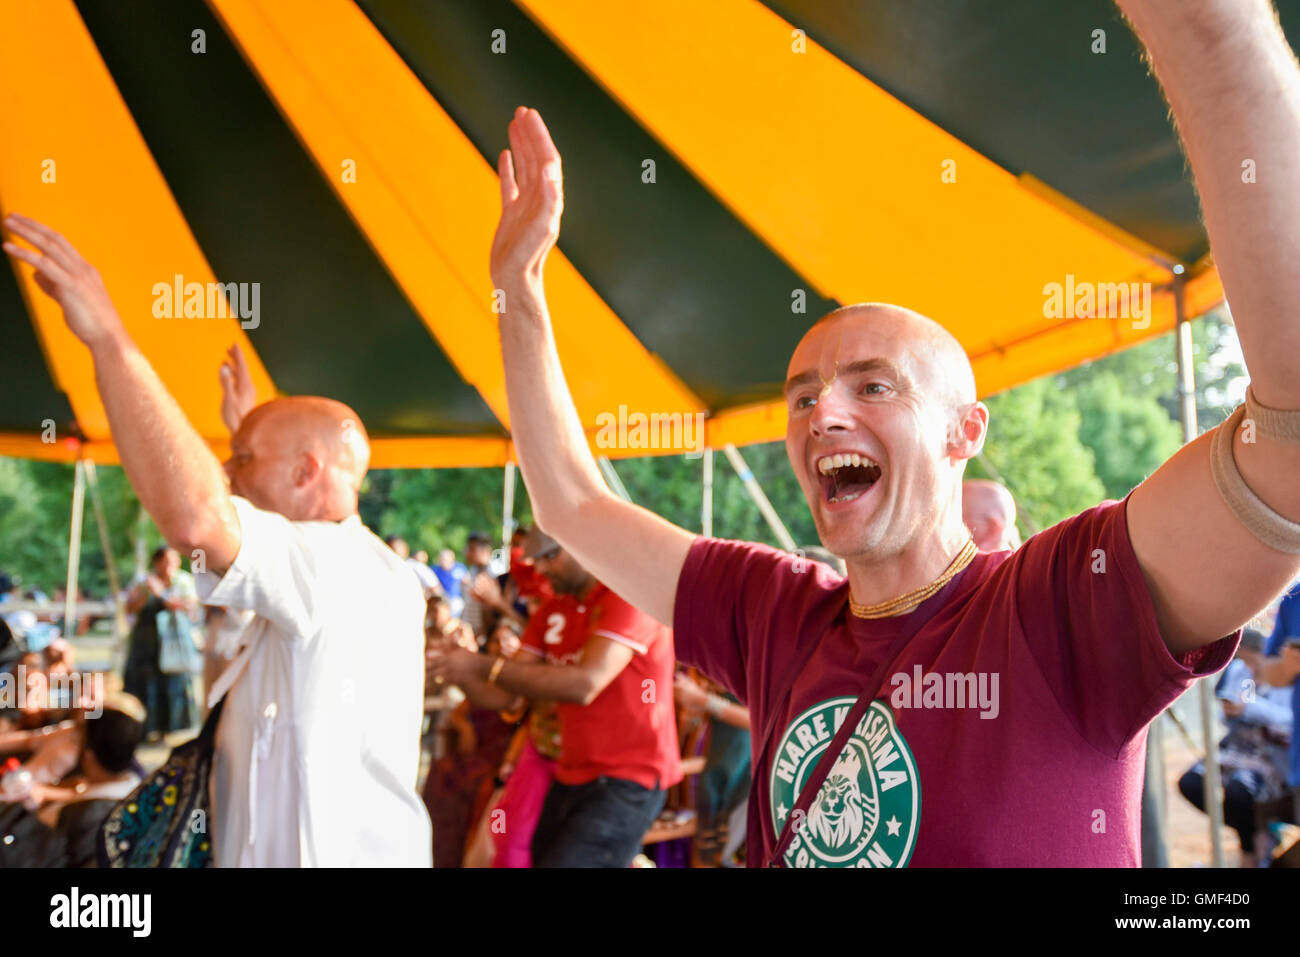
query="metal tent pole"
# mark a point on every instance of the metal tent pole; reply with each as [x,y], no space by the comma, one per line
[1205,686]
[611,478]
[141,557]
[760,498]
[96,502]
[706,497]
[74,551]
[508,506]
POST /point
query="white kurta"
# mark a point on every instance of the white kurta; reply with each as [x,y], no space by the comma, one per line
[318,747]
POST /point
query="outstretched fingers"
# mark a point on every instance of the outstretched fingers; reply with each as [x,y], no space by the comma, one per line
[43,238]
[506,171]
[539,139]
[523,168]
[45,266]
[238,364]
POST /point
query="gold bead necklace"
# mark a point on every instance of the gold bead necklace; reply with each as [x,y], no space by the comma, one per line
[905,603]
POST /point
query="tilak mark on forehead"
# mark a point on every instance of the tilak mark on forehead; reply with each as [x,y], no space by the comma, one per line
[835,372]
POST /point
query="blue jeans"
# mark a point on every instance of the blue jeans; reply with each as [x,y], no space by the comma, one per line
[599,824]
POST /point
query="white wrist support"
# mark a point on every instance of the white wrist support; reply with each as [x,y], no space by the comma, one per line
[1274,530]
[1282,425]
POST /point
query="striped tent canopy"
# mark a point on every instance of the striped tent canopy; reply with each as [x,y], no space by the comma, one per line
[734,169]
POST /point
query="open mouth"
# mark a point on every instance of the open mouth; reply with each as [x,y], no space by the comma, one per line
[846,476]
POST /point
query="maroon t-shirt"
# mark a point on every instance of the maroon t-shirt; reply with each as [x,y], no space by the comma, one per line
[1010,730]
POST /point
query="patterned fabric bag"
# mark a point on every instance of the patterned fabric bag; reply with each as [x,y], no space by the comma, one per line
[177,653]
[165,822]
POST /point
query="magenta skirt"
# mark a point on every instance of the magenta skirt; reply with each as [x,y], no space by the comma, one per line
[515,817]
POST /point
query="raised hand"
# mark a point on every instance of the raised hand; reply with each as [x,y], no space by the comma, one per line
[446,662]
[532,200]
[689,694]
[237,393]
[66,278]
[487,591]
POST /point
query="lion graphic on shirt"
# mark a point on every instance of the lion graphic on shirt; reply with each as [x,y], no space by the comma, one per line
[841,813]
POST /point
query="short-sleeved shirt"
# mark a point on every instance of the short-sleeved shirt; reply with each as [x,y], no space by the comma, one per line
[1285,628]
[450,578]
[429,582]
[473,612]
[630,730]
[318,747]
[1010,730]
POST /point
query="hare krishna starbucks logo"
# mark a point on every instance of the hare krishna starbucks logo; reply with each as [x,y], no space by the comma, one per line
[869,806]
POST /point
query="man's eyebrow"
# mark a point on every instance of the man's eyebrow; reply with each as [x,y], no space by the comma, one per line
[857,367]
[802,379]
[875,365]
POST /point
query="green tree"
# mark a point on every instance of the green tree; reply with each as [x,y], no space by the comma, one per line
[35,516]
[1129,436]
[438,508]
[1034,447]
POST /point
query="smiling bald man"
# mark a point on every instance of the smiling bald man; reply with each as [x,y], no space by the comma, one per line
[318,741]
[1013,690]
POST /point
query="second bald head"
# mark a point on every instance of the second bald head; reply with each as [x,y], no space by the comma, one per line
[302,456]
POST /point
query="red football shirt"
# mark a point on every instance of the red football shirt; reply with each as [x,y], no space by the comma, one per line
[1010,730]
[630,730]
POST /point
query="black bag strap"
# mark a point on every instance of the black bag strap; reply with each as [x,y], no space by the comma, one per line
[208,733]
[916,621]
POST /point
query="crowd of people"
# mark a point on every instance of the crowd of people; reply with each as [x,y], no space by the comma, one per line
[67,754]
[561,743]
[1259,757]
[581,739]
[575,745]
[543,746]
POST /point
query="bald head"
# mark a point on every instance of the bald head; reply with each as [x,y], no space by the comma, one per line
[940,357]
[989,511]
[325,427]
[303,456]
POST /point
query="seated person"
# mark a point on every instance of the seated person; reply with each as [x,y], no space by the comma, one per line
[461,780]
[64,829]
[441,623]
[11,650]
[724,785]
[34,709]
[11,647]
[60,657]
[1253,755]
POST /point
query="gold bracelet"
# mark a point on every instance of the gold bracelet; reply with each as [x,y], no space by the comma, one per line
[496,670]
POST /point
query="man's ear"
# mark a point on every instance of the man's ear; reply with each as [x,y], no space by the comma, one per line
[306,470]
[971,428]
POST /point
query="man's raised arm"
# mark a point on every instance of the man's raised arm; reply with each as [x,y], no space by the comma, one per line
[175,475]
[1234,87]
[634,552]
